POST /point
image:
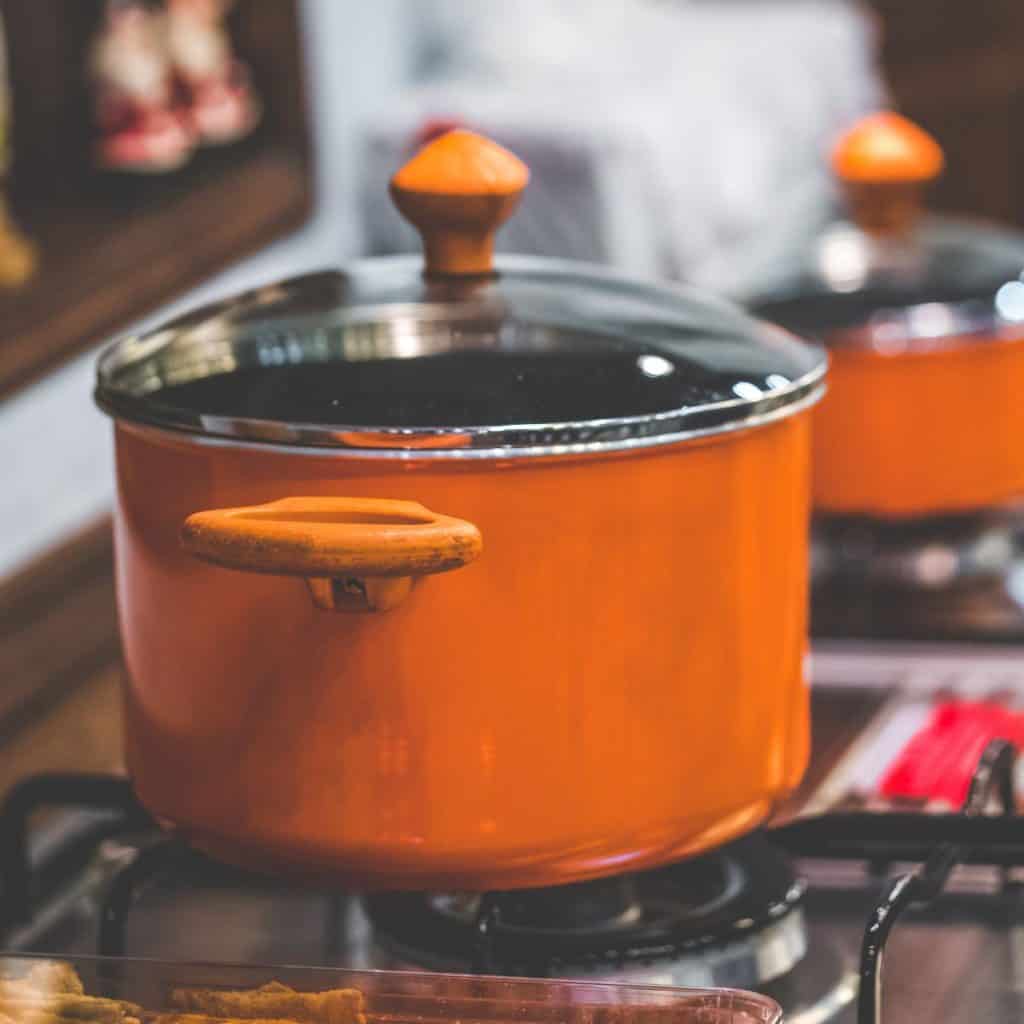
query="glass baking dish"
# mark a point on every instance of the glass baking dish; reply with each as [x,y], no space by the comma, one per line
[159,992]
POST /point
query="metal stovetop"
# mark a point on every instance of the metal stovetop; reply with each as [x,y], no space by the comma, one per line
[961,959]
[961,962]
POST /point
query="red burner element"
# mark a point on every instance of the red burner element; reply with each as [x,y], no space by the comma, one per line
[938,762]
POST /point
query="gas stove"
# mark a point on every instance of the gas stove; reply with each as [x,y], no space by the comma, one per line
[800,911]
[956,578]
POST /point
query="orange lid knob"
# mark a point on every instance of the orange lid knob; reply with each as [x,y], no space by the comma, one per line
[457,191]
[884,163]
[886,148]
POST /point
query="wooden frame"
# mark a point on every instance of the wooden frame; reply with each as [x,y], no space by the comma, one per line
[113,248]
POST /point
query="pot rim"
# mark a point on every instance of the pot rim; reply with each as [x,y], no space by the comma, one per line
[133,403]
[307,448]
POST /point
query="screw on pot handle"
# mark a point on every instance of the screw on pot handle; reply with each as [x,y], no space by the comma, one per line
[884,164]
[457,191]
[355,554]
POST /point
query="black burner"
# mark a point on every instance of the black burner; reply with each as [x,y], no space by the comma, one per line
[591,908]
[677,911]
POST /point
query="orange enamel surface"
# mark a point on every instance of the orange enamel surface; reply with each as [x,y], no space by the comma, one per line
[617,681]
[887,148]
[465,164]
[915,434]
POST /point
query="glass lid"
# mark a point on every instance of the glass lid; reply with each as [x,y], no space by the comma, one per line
[461,354]
[891,274]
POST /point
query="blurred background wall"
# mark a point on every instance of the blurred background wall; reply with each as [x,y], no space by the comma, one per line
[684,139]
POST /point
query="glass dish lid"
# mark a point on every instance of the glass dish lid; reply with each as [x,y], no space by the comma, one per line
[892,277]
[465,356]
[127,990]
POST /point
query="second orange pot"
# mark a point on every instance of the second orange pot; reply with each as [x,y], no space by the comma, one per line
[924,320]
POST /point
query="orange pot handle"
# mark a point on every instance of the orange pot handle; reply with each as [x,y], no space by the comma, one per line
[884,164]
[457,191]
[356,554]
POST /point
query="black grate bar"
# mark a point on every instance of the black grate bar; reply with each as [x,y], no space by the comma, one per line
[898,836]
[488,920]
[87,792]
[994,777]
[148,864]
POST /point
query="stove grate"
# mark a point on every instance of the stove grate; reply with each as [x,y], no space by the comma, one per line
[938,843]
[994,778]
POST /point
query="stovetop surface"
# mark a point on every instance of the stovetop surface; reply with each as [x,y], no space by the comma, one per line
[961,961]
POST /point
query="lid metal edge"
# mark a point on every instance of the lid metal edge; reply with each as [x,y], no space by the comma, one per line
[797,402]
[924,329]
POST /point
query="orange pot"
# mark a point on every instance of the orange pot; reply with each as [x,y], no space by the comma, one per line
[474,656]
[934,429]
[924,319]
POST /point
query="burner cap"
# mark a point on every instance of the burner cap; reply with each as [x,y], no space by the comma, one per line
[686,909]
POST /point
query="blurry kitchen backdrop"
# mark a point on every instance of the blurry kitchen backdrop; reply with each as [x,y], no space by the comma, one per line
[536,725]
[681,138]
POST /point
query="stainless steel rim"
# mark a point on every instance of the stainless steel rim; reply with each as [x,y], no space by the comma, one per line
[551,449]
